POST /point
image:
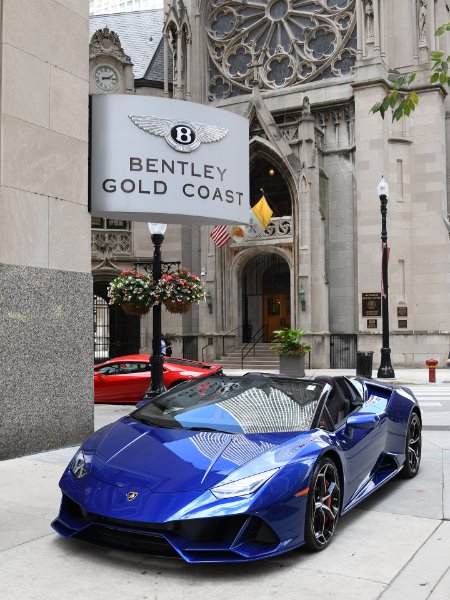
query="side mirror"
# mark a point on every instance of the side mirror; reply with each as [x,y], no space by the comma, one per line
[98,374]
[363,421]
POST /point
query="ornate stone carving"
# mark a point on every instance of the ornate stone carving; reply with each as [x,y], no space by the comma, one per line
[279,228]
[107,43]
[111,243]
[422,22]
[278,43]
[368,10]
[336,124]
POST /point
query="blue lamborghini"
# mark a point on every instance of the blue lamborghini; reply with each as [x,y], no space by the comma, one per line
[239,468]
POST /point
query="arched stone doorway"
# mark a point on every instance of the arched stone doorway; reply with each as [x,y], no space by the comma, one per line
[266,176]
[266,296]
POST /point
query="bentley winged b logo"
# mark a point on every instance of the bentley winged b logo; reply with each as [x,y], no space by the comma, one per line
[182,135]
[132,495]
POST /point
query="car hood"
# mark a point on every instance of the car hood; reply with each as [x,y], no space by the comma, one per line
[175,460]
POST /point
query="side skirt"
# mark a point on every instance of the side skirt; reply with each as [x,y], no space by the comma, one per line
[374,483]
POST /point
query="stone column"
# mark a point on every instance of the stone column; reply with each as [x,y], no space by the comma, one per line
[188,67]
[179,66]
[166,64]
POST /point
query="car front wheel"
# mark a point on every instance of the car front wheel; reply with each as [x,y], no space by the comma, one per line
[323,505]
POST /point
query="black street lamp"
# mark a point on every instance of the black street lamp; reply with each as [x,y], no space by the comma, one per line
[385,370]
[157,231]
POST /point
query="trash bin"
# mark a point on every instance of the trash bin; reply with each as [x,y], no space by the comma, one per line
[364,364]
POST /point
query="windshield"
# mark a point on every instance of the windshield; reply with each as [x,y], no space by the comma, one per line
[251,403]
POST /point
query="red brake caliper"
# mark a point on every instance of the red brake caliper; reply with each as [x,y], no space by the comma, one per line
[328,500]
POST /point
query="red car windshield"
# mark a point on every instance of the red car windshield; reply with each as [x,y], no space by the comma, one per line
[188,363]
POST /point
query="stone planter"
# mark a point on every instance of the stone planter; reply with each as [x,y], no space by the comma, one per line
[293,366]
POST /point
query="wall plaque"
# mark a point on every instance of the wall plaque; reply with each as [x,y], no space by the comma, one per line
[371,304]
[372,323]
[402,311]
[403,324]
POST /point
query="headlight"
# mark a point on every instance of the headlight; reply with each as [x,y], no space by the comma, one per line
[78,466]
[243,487]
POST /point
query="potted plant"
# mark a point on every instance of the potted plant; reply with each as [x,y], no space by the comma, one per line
[291,350]
[134,292]
[178,291]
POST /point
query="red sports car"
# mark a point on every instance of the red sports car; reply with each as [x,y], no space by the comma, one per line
[125,379]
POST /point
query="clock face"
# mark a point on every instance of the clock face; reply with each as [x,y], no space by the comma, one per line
[106,78]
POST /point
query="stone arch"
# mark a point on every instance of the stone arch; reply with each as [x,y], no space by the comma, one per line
[238,265]
[262,149]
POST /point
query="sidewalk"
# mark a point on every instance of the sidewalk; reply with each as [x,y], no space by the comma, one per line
[394,546]
[402,376]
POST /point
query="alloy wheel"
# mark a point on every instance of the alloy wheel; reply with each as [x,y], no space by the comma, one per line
[326,503]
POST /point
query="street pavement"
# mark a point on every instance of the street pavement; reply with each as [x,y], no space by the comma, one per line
[395,545]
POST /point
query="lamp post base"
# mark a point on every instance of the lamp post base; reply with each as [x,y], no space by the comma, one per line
[157,381]
[150,394]
[385,370]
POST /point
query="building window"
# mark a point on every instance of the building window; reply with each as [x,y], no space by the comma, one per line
[100,223]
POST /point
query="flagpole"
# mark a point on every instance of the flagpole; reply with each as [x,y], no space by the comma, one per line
[269,202]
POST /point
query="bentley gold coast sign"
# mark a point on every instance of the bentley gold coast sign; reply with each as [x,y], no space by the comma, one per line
[168,161]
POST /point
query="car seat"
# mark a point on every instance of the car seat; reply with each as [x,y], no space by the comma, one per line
[337,404]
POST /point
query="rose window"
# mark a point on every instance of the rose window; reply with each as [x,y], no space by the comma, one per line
[278,43]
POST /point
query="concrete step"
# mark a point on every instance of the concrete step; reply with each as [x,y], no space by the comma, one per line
[261,357]
[248,365]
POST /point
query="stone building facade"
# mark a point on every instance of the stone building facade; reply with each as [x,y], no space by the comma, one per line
[46,336]
[306,76]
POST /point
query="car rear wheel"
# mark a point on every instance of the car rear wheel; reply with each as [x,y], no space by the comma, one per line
[323,505]
[413,449]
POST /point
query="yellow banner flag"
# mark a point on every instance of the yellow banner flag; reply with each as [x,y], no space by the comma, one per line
[262,212]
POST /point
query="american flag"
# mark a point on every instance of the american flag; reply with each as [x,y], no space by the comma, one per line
[220,235]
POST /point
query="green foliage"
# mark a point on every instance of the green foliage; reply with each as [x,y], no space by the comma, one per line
[288,342]
[403,101]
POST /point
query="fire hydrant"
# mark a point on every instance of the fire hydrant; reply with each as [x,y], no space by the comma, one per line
[432,363]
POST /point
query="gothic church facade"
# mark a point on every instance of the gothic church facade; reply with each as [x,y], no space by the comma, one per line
[305,74]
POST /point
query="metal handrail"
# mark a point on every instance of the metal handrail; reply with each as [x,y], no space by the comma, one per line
[255,339]
[203,349]
[223,341]
[225,335]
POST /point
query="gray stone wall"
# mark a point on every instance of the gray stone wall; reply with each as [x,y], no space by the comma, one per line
[342,242]
[46,359]
[46,346]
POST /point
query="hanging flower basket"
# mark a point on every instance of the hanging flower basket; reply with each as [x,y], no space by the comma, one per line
[134,292]
[178,291]
[174,306]
[137,310]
